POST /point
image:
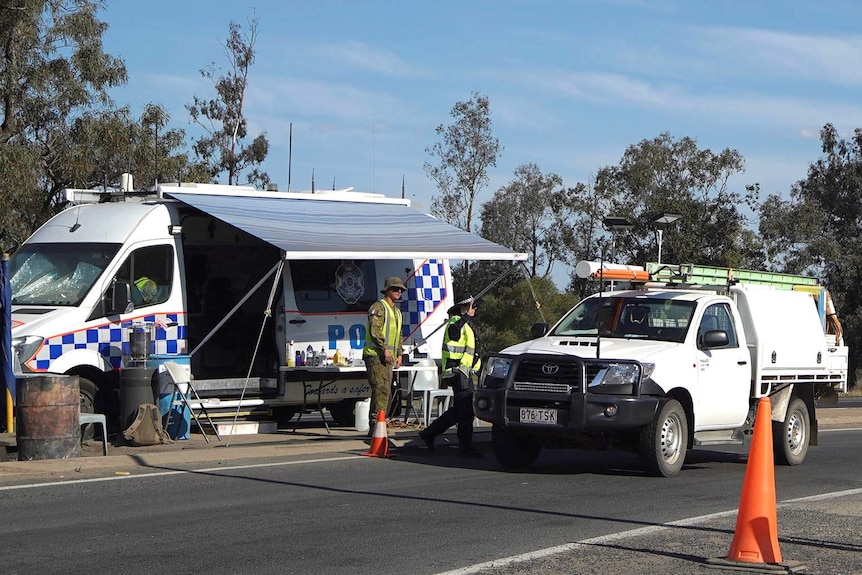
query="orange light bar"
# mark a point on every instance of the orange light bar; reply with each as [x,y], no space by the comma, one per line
[621,275]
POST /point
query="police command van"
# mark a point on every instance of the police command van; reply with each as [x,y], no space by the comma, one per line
[232,281]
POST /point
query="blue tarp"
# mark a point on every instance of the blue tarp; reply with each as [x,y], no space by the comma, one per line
[6,374]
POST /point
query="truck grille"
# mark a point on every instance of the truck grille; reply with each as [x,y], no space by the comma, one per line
[548,376]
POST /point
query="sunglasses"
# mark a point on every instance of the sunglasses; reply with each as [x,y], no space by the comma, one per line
[398,289]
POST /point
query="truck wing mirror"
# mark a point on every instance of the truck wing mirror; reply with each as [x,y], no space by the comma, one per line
[714,338]
[120,300]
[538,329]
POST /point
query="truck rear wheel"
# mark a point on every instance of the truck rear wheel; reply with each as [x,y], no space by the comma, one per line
[663,442]
[514,449]
[790,438]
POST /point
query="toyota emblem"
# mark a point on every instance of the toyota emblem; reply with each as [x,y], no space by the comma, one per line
[550,368]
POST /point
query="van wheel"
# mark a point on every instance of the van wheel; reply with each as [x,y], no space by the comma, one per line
[87,405]
[342,412]
[663,442]
[790,438]
[512,449]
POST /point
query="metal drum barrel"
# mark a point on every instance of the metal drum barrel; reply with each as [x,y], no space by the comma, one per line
[136,387]
[47,425]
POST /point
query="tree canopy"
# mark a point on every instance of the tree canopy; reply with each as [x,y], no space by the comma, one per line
[223,117]
[466,151]
[817,230]
[664,175]
[54,71]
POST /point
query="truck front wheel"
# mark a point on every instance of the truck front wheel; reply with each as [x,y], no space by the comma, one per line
[790,437]
[663,442]
[513,449]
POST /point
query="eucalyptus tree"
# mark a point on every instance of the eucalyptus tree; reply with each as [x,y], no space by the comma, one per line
[817,230]
[107,144]
[675,176]
[520,216]
[222,117]
[53,69]
[462,157]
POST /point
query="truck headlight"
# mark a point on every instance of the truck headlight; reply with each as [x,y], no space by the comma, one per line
[26,346]
[621,374]
[495,372]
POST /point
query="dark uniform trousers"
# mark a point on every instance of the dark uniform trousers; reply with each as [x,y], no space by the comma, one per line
[460,412]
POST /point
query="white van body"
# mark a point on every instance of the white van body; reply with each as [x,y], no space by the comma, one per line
[237,276]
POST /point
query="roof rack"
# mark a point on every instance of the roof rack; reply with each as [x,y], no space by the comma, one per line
[721,276]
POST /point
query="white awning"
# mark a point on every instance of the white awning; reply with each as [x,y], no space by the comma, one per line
[335,226]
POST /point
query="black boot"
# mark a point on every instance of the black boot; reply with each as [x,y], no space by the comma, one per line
[427,439]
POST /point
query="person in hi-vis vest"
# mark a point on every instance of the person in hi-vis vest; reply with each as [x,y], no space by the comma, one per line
[383,345]
[460,363]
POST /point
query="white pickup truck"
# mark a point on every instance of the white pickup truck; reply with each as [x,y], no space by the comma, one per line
[668,366]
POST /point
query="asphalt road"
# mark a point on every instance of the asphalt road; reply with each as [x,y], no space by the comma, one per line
[575,512]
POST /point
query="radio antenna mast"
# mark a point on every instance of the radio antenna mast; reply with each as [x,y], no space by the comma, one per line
[289,154]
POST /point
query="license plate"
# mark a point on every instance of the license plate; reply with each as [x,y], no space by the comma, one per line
[542,416]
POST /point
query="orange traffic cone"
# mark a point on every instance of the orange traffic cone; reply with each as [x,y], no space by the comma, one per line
[755,539]
[379,441]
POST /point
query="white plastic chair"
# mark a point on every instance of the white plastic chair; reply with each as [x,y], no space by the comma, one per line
[96,419]
[182,386]
[428,384]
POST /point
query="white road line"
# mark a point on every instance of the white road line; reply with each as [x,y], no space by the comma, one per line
[177,472]
[604,539]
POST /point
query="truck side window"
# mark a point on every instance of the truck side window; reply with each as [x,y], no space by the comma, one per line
[718,317]
[149,271]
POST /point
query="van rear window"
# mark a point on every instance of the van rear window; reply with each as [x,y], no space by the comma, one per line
[334,286]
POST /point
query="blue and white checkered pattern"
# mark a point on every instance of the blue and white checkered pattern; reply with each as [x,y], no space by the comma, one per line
[426,290]
[112,340]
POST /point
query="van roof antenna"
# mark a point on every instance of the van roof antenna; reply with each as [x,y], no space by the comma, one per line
[289,154]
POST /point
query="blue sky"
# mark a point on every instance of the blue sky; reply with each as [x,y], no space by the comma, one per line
[571,83]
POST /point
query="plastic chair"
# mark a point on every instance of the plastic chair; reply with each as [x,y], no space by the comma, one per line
[97,419]
[445,395]
[182,386]
[428,383]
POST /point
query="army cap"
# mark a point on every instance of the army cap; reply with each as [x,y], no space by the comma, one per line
[393,282]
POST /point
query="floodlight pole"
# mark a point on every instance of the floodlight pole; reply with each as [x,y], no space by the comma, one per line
[659,222]
[615,224]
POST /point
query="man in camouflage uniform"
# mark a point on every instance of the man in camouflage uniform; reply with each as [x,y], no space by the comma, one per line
[383,345]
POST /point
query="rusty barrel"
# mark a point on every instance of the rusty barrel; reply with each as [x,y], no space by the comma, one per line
[48,424]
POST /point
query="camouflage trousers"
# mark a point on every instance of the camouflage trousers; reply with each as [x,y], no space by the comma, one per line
[380,380]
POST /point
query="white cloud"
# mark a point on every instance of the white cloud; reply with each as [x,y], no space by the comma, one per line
[829,59]
[365,57]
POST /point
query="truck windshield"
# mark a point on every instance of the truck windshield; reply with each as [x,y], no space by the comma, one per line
[57,274]
[640,318]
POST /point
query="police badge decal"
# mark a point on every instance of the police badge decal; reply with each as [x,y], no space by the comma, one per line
[349,282]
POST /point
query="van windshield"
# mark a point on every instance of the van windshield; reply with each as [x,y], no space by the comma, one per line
[629,318]
[57,274]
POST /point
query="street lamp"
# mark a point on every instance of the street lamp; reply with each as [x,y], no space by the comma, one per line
[660,222]
[616,224]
